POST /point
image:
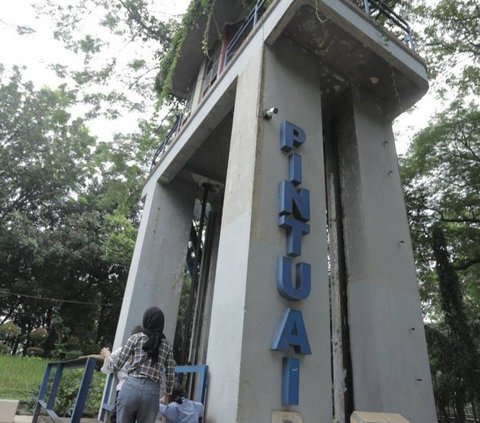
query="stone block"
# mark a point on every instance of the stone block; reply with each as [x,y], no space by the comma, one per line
[8,408]
[372,417]
[286,417]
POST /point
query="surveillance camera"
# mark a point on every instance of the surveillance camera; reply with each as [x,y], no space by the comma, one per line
[268,113]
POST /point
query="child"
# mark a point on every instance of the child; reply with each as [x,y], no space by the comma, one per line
[181,409]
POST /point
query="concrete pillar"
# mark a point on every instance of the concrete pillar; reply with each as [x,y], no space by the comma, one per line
[388,350]
[158,263]
[245,373]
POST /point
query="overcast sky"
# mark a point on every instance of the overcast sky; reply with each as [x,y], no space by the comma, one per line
[36,51]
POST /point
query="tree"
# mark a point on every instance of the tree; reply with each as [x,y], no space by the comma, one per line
[69,203]
[441,175]
[121,44]
[451,44]
[66,230]
[464,353]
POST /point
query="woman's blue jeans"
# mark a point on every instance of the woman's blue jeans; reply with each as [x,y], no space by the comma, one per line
[138,400]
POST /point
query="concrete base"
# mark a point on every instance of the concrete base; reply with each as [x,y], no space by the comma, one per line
[8,408]
[368,417]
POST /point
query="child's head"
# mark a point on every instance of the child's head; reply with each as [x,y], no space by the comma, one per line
[178,393]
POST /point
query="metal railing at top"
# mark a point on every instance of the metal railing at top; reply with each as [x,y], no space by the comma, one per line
[48,405]
[248,24]
[166,141]
[372,6]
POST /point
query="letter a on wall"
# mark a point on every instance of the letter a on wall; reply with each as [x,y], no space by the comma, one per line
[292,332]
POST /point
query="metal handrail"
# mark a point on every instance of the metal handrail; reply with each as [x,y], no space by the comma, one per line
[199,372]
[88,364]
[105,406]
[394,17]
[163,145]
[249,23]
[251,19]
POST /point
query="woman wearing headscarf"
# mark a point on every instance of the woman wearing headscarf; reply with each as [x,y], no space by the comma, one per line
[150,372]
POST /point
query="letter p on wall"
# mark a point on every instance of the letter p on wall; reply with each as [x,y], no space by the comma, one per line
[291,136]
[286,417]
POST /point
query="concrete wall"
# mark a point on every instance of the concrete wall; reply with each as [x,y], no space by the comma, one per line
[245,374]
[156,272]
[388,350]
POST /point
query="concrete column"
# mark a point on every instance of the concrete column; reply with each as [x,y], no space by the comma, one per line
[157,268]
[245,373]
[388,349]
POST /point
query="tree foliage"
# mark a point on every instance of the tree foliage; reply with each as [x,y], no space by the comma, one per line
[69,208]
[120,44]
[452,43]
[69,202]
[441,175]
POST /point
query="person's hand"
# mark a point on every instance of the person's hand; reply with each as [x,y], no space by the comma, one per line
[95,356]
[105,352]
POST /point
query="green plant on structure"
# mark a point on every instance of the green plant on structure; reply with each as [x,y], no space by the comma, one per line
[189,21]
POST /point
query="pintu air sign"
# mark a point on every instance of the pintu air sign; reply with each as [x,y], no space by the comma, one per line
[293,215]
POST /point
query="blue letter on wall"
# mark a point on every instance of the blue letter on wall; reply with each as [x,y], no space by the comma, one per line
[295,169]
[296,229]
[291,136]
[294,202]
[292,332]
[290,380]
[299,290]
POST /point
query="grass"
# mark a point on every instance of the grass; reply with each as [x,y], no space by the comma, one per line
[19,376]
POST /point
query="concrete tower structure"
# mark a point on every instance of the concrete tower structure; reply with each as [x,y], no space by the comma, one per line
[305,300]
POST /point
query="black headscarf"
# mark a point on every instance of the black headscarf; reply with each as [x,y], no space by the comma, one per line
[153,323]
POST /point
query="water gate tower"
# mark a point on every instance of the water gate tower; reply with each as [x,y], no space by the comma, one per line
[303,290]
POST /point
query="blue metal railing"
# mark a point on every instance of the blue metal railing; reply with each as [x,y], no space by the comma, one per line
[105,406]
[248,24]
[199,371]
[47,406]
[382,8]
